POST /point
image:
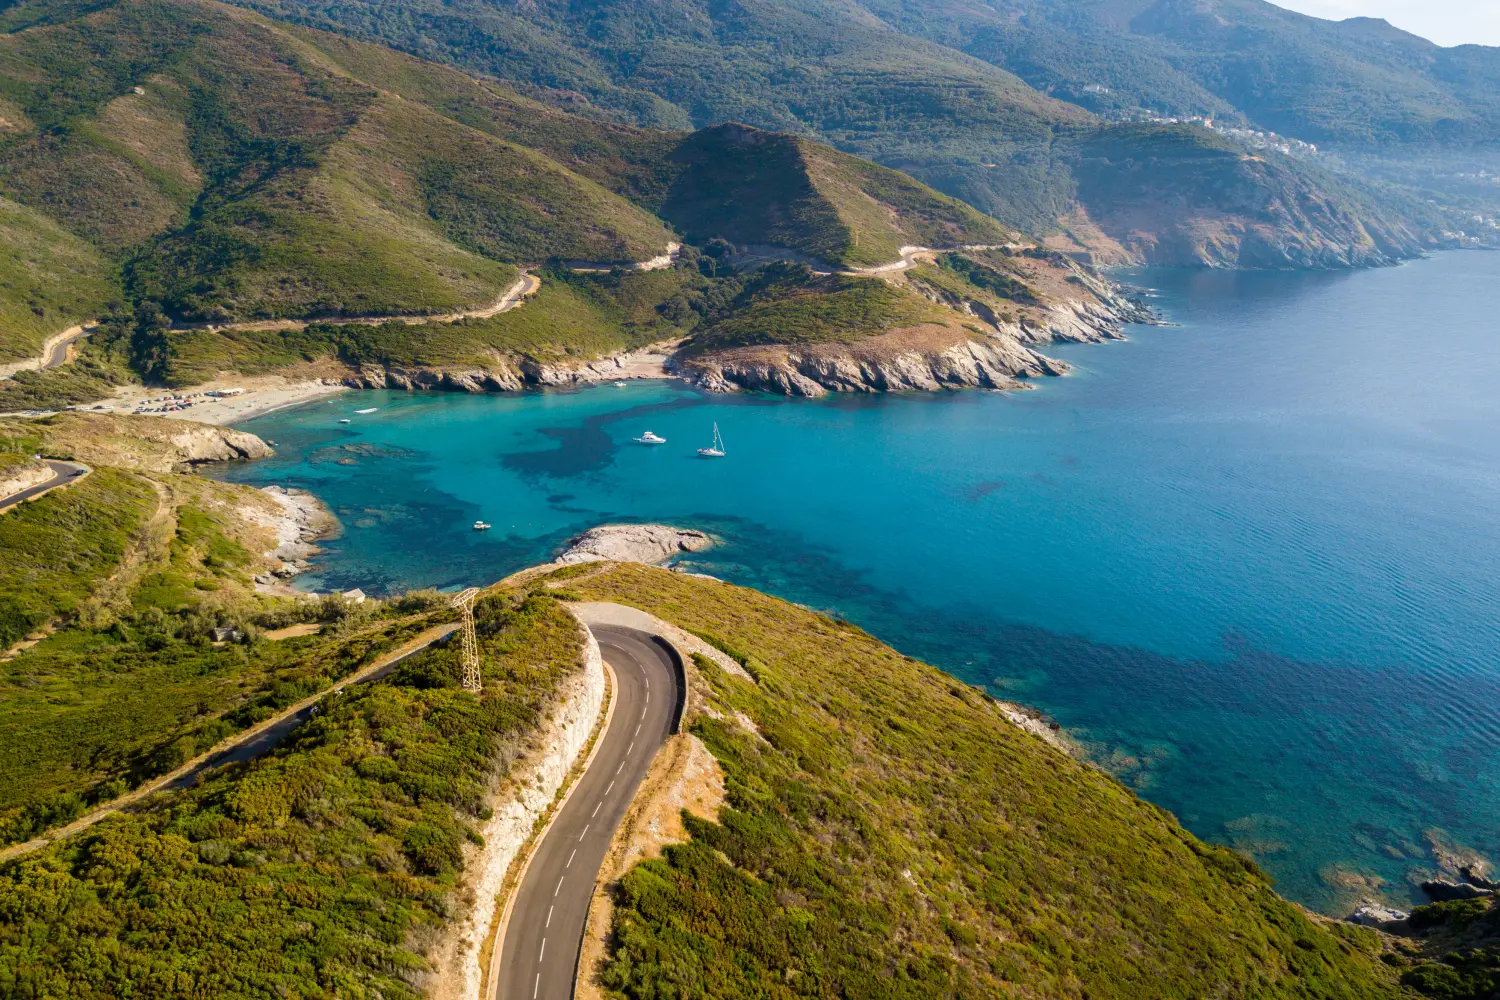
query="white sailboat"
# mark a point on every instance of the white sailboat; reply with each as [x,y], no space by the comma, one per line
[649,438]
[716,450]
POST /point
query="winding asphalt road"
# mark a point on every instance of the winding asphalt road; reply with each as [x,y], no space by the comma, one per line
[539,956]
[62,474]
[59,353]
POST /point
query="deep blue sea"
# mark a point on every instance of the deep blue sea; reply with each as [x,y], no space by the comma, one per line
[1250,559]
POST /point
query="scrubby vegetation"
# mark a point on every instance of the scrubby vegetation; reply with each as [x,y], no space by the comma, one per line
[57,550]
[990,278]
[107,357]
[123,575]
[889,833]
[1458,957]
[789,304]
[326,868]
[50,279]
[749,186]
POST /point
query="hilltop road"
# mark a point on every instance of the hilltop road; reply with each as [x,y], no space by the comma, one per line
[539,955]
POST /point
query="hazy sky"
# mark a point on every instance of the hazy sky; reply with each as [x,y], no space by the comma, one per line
[1447,22]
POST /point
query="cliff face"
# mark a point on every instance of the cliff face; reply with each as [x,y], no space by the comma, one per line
[902,361]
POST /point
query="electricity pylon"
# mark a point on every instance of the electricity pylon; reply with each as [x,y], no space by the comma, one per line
[469,654]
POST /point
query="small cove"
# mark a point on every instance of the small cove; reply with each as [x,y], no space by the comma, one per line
[1249,559]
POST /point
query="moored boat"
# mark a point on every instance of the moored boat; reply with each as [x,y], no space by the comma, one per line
[715,450]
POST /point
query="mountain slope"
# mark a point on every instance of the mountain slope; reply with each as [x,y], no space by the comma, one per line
[921,88]
[198,156]
[236,172]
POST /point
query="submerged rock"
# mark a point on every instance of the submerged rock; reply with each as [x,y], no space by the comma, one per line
[1378,915]
[1440,890]
[642,543]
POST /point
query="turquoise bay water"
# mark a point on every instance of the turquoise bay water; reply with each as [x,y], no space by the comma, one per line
[1250,560]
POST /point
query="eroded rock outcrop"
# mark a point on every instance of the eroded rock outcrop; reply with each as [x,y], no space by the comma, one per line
[510,374]
[643,543]
[205,443]
[892,362]
[1378,915]
[1441,890]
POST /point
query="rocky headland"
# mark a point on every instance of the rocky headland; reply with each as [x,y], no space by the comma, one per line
[643,543]
[897,362]
[146,443]
[986,342]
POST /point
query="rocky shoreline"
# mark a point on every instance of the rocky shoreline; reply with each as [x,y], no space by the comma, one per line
[867,367]
[994,352]
[300,524]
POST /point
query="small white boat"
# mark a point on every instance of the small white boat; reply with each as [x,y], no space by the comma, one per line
[370,410]
[716,450]
[481,526]
[345,420]
[649,438]
[619,385]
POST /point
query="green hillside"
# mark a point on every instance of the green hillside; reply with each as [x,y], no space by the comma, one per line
[196,159]
[889,833]
[936,90]
[572,316]
[234,172]
[788,304]
[326,868]
[50,279]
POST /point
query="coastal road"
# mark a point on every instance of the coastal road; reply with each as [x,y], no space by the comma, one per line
[59,353]
[63,473]
[539,955]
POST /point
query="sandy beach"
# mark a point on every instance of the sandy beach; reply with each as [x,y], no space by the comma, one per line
[262,394]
